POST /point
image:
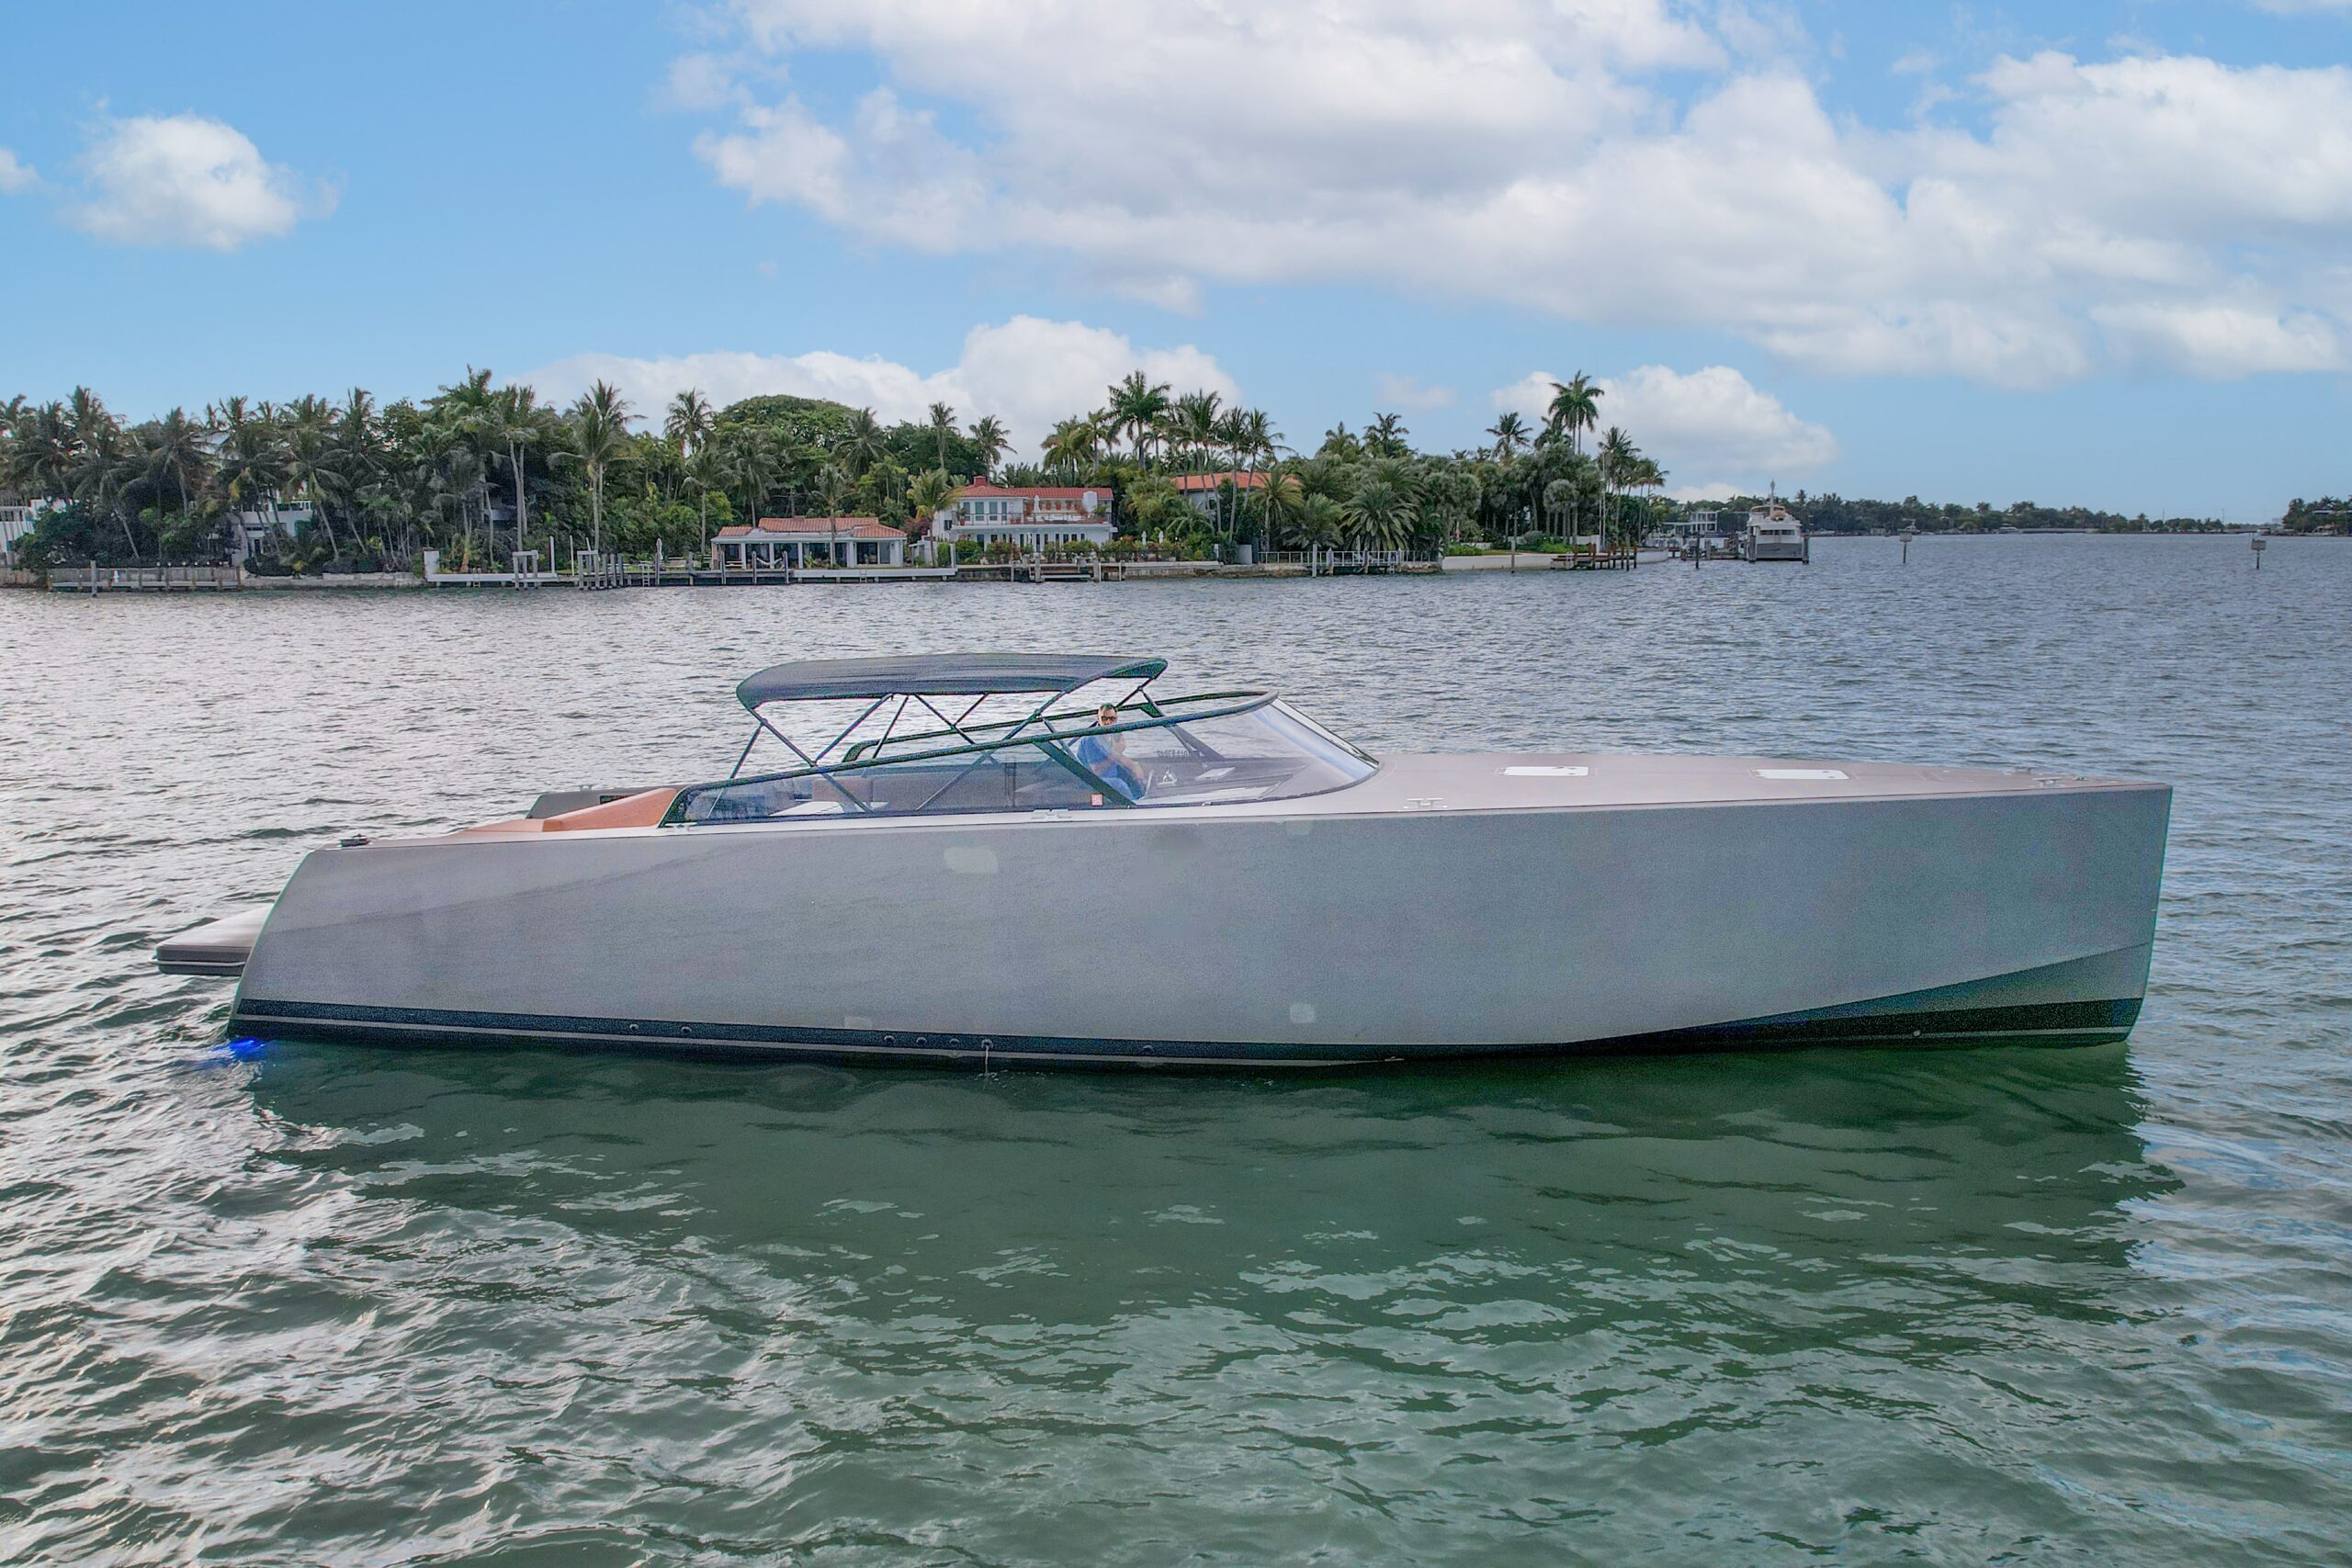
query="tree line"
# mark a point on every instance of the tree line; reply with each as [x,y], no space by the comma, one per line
[2328,515]
[478,470]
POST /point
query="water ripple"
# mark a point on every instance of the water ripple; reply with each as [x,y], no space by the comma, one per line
[296,1303]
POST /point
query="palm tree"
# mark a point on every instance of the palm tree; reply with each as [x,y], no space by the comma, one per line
[104,465]
[176,451]
[40,450]
[930,495]
[1075,446]
[1193,423]
[599,433]
[862,445]
[253,464]
[309,461]
[1510,433]
[521,423]
[1379,512]
[1384,436]
[688,424]
[1137,407]
[359,450]
[1558,496]
[988,437]
[942,427]
[1322,519]
[1644,473]
[1617,455]
[1251,435]
[1576,407]
[832,484]
[1282,506]
[748,457]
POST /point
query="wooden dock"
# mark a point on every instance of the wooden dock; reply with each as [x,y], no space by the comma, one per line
[1601,560]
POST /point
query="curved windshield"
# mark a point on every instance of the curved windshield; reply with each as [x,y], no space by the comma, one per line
[1120,755]
[1266,753]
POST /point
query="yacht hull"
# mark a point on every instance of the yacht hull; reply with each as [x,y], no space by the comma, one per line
[1307,936]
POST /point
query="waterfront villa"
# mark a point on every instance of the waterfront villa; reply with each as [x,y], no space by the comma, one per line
[1031,517]
[802,542]
[16,521]
[1202,490]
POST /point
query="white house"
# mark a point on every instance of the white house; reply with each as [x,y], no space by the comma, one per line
[257,529]
[802,542]
[16,521]
[1035,517]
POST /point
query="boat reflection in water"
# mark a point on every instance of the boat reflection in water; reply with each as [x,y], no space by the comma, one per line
[769,1299]
[1887,1182]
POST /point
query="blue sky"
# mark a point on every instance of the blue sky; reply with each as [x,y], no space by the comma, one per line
[2069,252]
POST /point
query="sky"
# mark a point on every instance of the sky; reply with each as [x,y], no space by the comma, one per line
[2073,252]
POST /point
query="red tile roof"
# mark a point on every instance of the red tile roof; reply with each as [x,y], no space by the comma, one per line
[1034,493]
[813,528]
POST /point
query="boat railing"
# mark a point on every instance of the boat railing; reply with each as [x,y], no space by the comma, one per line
[1083,714]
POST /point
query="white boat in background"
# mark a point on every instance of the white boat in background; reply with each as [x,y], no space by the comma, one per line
[1774,532]
[1031,858]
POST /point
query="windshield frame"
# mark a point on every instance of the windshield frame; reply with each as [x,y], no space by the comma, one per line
[1053,733]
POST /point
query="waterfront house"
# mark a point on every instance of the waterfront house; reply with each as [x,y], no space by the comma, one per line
[802,542]
[1204,490]
[259,530]
[1704,528]
[1033,517]
[16,521]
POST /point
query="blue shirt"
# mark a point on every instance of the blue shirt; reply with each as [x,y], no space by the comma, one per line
[1095,752]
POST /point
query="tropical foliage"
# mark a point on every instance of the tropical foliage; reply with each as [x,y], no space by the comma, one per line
[478,470]
[2328,515]
[1826,511]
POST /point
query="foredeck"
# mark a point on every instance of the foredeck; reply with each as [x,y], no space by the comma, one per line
[1507,780]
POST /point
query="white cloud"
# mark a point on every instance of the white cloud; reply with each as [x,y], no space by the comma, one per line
[1171,293]
[699,82]
[1712,421]
[1027,371]
[1396,392]
[14,177]
[1551,154]
[2224,340]
[186,180]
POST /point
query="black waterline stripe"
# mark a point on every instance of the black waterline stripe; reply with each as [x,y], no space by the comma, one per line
[2054,1022]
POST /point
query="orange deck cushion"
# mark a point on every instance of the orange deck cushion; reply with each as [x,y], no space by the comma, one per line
[641,810]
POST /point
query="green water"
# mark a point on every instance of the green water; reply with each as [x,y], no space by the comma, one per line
[285,1301]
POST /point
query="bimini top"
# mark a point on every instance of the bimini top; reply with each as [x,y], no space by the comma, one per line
[938,674]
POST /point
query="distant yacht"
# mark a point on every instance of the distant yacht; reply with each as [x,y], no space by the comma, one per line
[1775,534]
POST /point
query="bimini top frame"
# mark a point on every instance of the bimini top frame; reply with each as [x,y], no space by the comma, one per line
[938,675]
[913,681]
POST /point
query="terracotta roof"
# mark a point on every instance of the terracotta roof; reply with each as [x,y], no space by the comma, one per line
[1189,483]
[812,529]
[1040,493]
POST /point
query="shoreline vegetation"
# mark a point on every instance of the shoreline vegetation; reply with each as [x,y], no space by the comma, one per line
[478,471]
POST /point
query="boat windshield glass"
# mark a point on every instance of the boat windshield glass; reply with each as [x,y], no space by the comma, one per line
[1200,750]
[1266,753]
